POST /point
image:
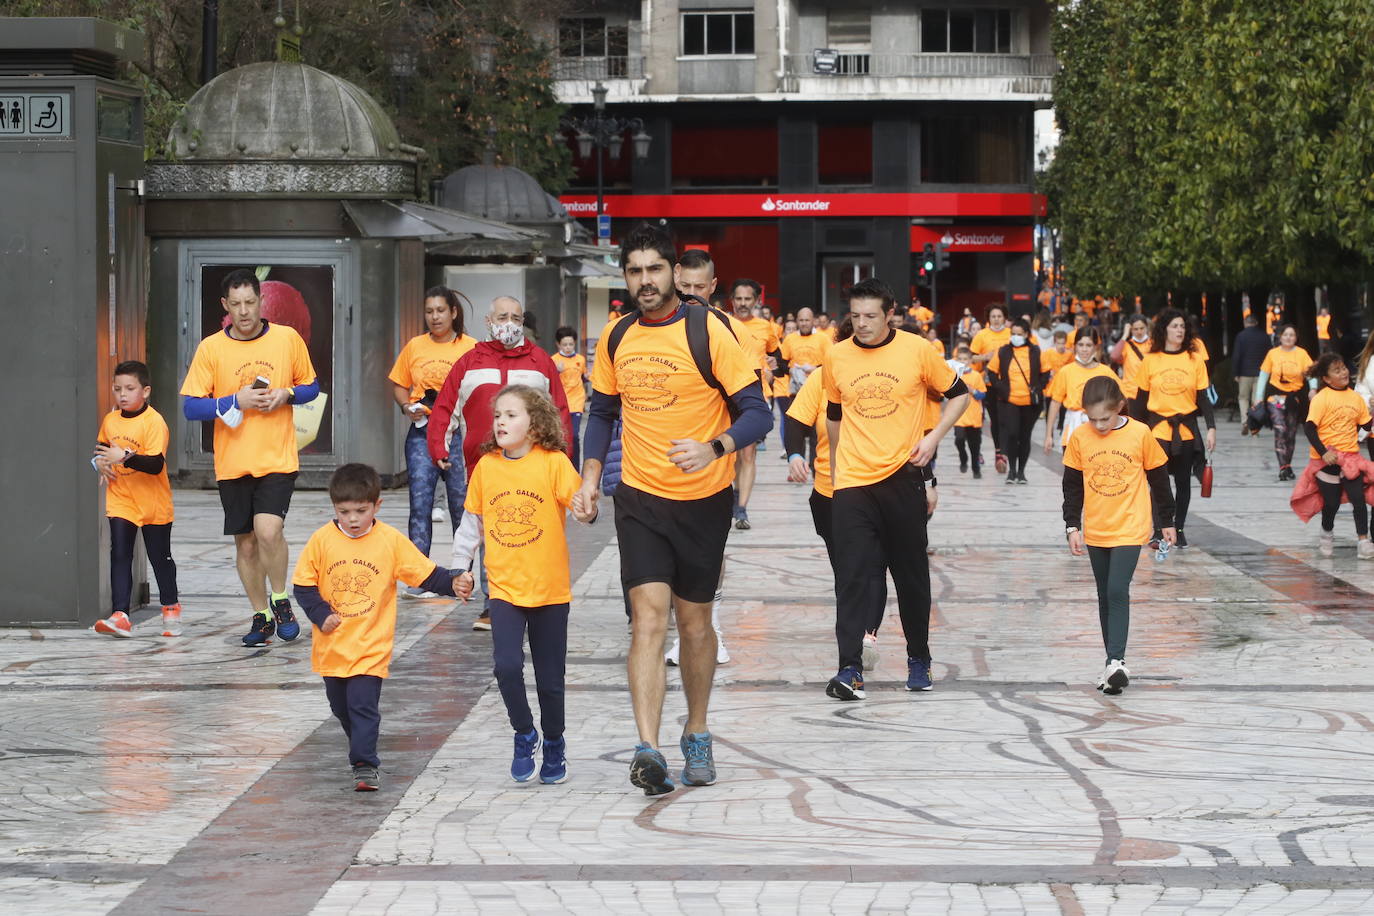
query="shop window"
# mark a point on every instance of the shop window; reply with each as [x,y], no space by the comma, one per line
[725,155]
[844,153]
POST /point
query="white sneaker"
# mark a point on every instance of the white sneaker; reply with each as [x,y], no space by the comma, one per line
[670,658]
[1365,549]
[722,656]
[1115,677]
[1326,543]
[412,591]
[870,654]
[438,515]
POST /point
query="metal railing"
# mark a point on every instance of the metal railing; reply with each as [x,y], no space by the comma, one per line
[859,64]
[599,68]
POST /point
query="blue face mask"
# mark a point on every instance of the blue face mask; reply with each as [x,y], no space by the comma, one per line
[1018,340]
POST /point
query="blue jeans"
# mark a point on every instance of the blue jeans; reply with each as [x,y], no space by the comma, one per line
[548,633]
[424,476]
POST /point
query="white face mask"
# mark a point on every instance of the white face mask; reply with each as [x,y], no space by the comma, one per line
[1141,339]
[509,333]
[1083,362]
[1018,340]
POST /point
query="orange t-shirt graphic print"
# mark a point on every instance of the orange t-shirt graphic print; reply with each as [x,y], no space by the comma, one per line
[144,499]
[1117,511]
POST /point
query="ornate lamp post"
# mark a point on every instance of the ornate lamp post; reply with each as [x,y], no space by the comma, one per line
[599,132]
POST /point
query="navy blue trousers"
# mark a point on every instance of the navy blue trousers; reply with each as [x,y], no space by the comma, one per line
[548,630]
[354,702]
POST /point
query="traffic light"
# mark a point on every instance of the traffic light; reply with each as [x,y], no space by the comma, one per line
[928,265]
[941,257]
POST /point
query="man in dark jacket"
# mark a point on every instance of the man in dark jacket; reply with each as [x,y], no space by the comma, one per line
[466,398]
[1247,354]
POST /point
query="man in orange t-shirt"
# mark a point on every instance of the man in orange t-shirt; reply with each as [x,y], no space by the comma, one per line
[242,379]
[760,343]
[876,386]
[673,504]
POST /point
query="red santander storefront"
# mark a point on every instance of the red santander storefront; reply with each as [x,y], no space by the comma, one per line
[806,248]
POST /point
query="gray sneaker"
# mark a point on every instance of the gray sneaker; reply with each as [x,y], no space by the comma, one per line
[649,771]
[700,766]
[365,778]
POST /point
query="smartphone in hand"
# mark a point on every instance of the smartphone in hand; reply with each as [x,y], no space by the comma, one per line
[261,382]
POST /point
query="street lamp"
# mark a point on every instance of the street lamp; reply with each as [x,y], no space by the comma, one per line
[599,132]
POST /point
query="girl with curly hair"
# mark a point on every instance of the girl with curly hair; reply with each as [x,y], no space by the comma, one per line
[518,497]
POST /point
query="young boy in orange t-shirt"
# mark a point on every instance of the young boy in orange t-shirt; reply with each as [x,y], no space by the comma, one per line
[131,459]
[345,582]
[1115,479]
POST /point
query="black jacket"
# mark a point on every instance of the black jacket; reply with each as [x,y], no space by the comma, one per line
[1248,353]
[1001,381]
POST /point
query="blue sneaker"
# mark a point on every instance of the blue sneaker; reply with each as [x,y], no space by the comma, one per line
[918,674]
[649,771]
[522,764]
[700,766]
[287,628]
[555,768]
[847,685]
[260,631]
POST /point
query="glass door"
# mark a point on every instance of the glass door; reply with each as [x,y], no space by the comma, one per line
[838,274]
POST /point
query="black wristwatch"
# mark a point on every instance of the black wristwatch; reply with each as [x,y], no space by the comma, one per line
[718,447]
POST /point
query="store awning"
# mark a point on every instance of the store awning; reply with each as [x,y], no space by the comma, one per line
[403,219]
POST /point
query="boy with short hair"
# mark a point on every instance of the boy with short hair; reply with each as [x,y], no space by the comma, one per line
[968,429]
[345,582]
[572,372]
[131,459]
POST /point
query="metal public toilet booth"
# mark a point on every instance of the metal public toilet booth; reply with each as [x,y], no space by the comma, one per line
[71,290]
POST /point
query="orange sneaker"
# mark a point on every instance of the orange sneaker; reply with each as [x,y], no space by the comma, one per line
[171,619]
[117,624]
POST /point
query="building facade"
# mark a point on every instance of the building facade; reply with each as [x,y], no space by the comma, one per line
[810,143]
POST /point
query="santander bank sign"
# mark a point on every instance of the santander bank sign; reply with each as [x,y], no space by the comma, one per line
[952,204]
[814,205]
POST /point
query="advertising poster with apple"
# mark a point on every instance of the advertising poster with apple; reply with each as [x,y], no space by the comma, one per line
[300,297]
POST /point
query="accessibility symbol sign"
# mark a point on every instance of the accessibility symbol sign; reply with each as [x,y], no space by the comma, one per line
[35,115]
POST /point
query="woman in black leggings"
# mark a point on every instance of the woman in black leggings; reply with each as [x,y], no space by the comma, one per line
[1173,393]
[1018,382]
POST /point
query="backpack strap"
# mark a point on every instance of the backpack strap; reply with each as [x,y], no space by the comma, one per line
[1134,349]
[699,343]
[618,333]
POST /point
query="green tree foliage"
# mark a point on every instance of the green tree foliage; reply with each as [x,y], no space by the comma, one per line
[415,57]
[1214,143]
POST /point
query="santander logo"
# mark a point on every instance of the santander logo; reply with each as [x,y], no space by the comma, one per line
[769,205]
[982,239]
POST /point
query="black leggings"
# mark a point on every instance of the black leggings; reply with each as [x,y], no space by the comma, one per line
[969,439]
[1017,422]
[1331,503]
[995,421]
[157,540]
[1181,470]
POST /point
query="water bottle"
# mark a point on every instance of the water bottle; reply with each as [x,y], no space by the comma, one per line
[1162,551]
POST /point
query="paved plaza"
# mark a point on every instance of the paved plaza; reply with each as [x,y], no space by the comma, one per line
[1234,775]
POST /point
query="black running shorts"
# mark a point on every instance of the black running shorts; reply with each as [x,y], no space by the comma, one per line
[680,542]
[245,497]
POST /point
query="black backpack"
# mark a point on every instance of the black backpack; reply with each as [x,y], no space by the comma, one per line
[698,342]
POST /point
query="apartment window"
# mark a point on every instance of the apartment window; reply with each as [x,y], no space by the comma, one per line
[964,31]
[590,36]
[717,33]
[850,32]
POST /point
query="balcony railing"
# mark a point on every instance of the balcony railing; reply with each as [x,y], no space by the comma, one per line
[598,68]
[858,64]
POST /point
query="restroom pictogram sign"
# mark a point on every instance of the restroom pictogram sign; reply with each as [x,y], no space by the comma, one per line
[35,115]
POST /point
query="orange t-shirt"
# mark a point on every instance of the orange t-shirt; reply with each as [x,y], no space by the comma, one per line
[808,409]
[973,413]
[782,386]
[1338,416]
[357,576]
[921,314]
[760,338]
[1116,495]
[136,496]
[1130,365]
[1201,349]
[805,350]
[264,443]
[424,362]
[1019,375]
[939,346]
[1172,381]
[1323,327]
[571,371]
[663,397]
[1287,368]
[988,341]
[524,503]
[1051,361]
[1068,382]
[882,391]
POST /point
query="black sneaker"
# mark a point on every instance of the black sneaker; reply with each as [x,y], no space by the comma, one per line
[978,471]
[963,466]
[260,631]
[848,684]
[1181,541]
[366,778]
[287,628]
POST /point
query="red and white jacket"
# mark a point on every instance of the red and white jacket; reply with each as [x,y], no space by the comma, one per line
[472,385]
